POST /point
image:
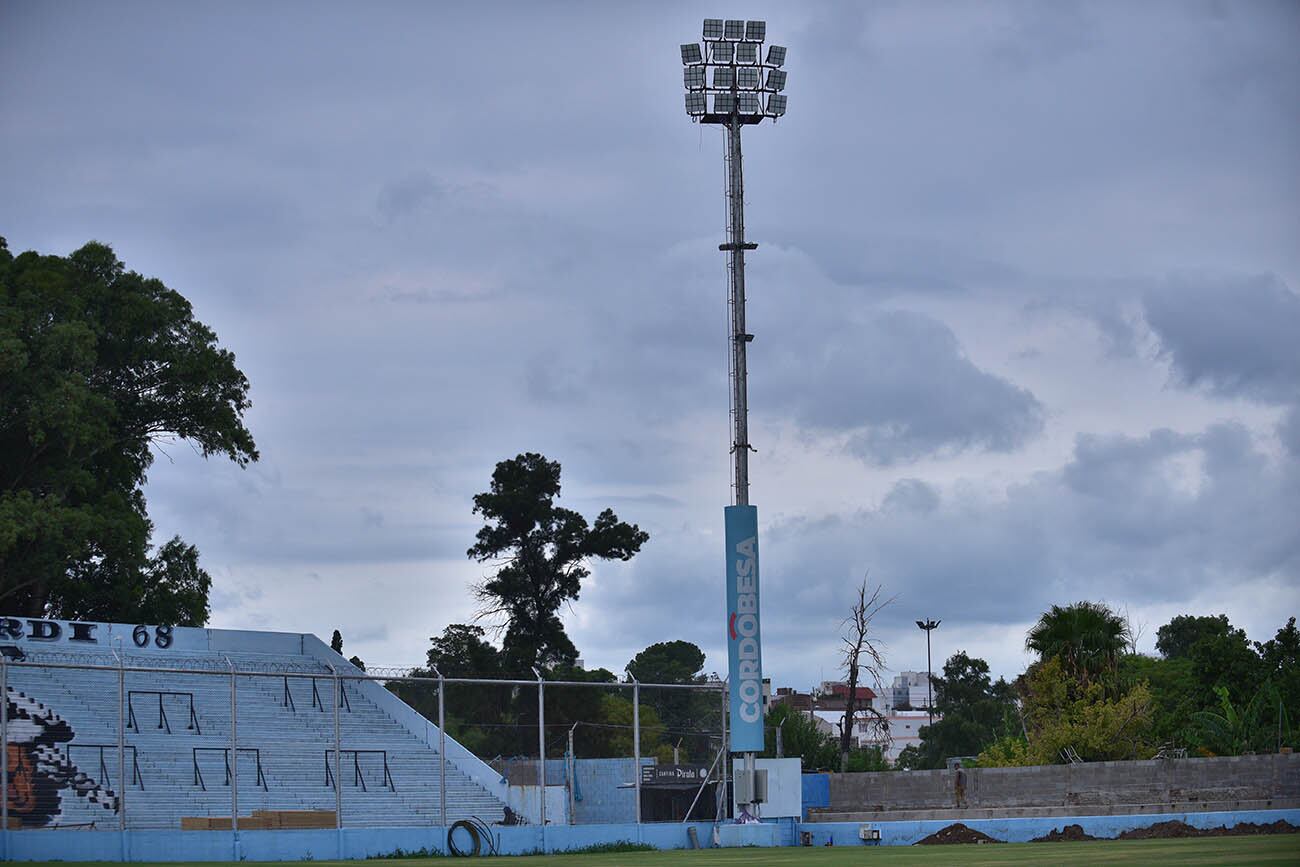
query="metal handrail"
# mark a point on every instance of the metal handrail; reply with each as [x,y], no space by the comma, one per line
[105,779]
[163,722]
[358,779]
[317,701]
[225,751]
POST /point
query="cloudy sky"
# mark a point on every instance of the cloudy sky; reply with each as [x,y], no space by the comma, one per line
[1026,307]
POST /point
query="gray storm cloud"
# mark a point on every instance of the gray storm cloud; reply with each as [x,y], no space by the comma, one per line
[990,367]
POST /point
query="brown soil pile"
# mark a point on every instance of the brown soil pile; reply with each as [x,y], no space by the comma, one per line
[957,833]
[1164,830]
[1070,833]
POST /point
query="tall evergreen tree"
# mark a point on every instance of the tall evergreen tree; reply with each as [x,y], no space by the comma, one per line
[540,551]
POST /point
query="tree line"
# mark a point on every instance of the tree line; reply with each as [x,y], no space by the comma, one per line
[1209,691]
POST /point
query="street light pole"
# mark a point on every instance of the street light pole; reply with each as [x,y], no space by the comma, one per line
[929,626]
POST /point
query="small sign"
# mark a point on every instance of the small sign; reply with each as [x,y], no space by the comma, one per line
[673,775]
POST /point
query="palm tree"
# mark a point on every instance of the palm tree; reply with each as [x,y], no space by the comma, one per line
[1087,637]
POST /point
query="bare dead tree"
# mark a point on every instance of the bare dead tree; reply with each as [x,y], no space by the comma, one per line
[1136,628]
[862,655]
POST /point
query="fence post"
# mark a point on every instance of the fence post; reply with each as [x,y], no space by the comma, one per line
[121,737]
[338,752]
[636,742]
[4,753]
[571,766]
[234,758]
[541,753]
[442,748]
[724,803]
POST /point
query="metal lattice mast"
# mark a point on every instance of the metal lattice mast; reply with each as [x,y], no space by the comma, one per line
[740,338]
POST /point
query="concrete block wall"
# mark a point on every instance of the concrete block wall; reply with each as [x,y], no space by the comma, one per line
[1179,781]
[599,786]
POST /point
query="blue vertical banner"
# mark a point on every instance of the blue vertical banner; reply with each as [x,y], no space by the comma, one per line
[744,645]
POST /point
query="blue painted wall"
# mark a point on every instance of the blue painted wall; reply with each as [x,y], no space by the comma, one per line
[1024,830]
[349,843]
[357,843]
[816,791]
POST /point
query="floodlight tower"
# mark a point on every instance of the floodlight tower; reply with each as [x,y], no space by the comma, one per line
[730,83]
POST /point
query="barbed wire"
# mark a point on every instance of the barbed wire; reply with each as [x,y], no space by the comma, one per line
[196,664]
[253,664]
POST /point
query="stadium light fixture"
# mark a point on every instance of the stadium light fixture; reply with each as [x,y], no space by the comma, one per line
[727,85]
[929,626]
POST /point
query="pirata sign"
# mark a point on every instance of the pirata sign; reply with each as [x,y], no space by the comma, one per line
[744,646]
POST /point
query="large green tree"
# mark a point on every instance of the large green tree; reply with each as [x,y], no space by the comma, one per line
[496,719]
[668,662]
[1280,660]
[1226,660]
[540,551]
[1175,695]
[479,716]
[98,365]
[1065,716]
[1176,638]
[974,711]
[689,716]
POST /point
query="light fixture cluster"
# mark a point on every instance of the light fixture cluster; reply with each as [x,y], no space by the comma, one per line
[725,78]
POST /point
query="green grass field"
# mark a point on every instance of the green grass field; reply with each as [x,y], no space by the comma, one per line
[1274,849]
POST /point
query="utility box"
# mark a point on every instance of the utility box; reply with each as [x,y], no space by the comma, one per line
[751,789]
[868,834]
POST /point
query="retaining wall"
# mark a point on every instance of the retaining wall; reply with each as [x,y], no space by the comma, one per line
[1178,784]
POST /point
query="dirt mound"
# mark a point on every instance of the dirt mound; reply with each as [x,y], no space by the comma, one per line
[1070,833]
[956,833]
[1164,830]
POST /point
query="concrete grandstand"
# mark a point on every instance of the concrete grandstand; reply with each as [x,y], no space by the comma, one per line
[113,723]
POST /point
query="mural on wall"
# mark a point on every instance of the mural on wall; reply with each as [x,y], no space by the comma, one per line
[40,771]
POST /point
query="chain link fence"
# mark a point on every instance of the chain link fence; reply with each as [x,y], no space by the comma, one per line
[244,743]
